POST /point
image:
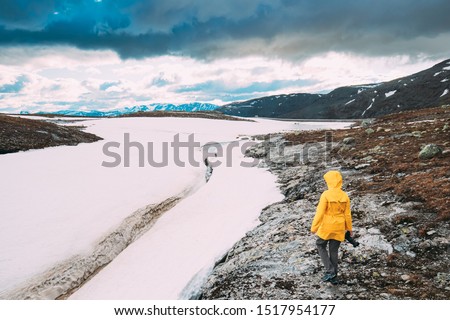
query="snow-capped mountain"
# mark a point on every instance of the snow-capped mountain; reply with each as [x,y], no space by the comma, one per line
[194,106]
[428,88]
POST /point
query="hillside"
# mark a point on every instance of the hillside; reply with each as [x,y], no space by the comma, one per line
[424,89]
[19,134]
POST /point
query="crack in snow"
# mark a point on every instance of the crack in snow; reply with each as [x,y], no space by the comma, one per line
[74,272]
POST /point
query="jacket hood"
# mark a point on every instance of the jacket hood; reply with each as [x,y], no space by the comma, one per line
[333,179]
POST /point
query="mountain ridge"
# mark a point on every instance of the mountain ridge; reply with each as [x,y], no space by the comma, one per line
[190,107]
[427,88]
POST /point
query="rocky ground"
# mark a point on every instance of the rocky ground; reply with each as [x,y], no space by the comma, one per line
[20,134]
[397,174]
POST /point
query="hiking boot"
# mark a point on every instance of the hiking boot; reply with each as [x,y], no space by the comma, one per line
[335,281]
[328,277]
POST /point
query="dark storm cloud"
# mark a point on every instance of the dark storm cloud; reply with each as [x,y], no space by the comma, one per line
[290,29]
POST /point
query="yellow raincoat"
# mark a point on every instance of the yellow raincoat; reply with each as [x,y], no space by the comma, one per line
[333,215]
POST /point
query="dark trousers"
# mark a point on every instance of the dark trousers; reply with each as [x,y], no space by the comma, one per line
[329,257]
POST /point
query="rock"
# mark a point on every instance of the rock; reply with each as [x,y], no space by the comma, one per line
[362,166]
[385,295]
[405,277]
[431,232]
[417,134]
[366,122]
[429,151]
[349,141]
[405,230]
[379,129]
[442,277]
[374,231]
[446,127]
[376,150]
[370,131]
[375,274]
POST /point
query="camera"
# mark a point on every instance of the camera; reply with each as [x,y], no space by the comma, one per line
[349,238]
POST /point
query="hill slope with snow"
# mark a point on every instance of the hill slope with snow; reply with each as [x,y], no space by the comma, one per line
[428,88]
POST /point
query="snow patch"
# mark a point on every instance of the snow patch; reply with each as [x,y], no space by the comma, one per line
[446,68]
[390,93]
[350,101]
[373,100]
[444,93]
[445,80]
[438,73]
[186,241]
[369,86]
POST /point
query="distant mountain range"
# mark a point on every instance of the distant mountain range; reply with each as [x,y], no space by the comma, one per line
[428,88]
[194,106]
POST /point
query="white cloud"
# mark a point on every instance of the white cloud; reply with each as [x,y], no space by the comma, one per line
[63,77]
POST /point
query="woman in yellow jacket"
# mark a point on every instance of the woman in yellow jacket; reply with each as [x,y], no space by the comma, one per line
[332,220]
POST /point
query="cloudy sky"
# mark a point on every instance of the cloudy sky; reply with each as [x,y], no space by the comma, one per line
[107,54]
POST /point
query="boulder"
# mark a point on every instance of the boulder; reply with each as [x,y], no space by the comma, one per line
[349,141]
[366,122]
[429,151]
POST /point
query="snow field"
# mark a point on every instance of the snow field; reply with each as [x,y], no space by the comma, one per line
[58,203]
